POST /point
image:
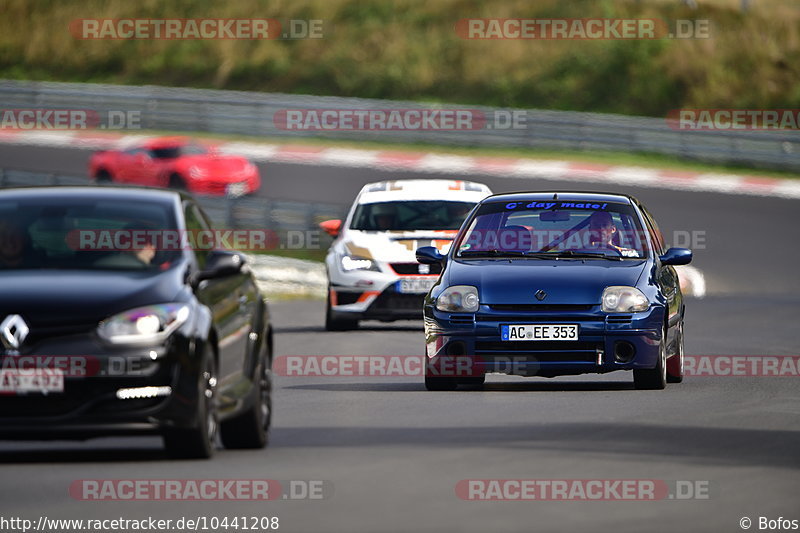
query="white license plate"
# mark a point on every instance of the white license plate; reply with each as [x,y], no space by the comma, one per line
[416,285]
[539,332]
[236,189]
[41,380]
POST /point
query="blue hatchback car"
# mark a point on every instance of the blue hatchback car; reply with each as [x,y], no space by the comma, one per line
[555,283]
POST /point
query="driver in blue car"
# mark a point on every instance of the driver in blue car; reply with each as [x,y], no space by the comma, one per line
[602,231]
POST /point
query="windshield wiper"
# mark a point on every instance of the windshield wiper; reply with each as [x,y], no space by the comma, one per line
[572,254]
[491,253]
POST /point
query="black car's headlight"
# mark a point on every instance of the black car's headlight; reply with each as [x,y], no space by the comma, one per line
[354,262]
[622,299]
[150,324]
[458,299]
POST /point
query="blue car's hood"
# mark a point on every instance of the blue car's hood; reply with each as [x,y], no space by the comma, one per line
[564,281]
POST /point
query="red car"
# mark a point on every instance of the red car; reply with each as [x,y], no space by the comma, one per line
[178,163]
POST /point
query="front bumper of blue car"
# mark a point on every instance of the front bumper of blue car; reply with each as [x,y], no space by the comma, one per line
[605,342]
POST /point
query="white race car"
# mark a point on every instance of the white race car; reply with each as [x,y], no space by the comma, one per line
[372,268]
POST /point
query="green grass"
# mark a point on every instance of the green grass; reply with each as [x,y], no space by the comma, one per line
[408,49]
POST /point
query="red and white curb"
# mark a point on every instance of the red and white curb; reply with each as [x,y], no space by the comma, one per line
[519,168]
[435,163]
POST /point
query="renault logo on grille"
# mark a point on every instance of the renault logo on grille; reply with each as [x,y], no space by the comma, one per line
[540,295]
[13,331]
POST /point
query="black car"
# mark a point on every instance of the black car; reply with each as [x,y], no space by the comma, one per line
[147,338]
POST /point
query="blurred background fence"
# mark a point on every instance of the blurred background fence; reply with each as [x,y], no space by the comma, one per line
[253,114]
[246,212]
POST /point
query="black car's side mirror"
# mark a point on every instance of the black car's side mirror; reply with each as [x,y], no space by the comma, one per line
[429,255]
[220,264]
[677,256]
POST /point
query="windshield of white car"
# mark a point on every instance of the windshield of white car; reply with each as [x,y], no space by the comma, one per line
[411,216]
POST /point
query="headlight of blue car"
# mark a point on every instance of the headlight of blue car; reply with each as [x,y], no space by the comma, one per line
[622,299]
[458,299]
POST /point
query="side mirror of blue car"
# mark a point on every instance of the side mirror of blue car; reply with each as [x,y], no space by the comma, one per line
[429,255]
[677,256]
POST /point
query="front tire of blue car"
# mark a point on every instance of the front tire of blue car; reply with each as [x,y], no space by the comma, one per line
[675,364]
[654,378]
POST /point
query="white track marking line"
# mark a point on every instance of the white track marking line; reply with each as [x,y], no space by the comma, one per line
[787,189]
[633,176]
[445,163]
[349,157]
[255,151]
[555,170]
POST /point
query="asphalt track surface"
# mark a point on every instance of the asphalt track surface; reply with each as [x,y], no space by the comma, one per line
[393,452]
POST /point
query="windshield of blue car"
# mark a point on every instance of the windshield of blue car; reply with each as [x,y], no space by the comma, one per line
[91,234]
[552,228]
[410,216]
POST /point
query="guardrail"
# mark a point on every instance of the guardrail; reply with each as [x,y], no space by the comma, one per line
[250,113]
[244,212]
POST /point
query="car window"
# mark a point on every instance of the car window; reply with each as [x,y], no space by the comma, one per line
[84,234]
[136,151]
[195,223]
[655,233]
[410,216]
[555,227]
[165,152]
[173,152]
[193,149]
